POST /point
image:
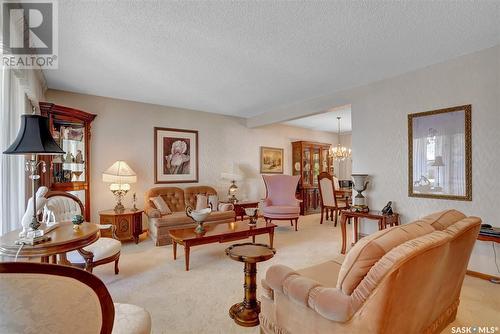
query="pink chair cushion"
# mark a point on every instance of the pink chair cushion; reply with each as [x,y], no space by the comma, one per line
[282,209]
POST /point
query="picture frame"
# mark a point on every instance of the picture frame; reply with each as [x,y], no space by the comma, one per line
[175,155]
[271,160]
[440,154]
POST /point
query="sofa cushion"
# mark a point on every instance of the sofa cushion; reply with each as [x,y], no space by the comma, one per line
[201,202]
[191,192]
[161,205]
[370,249]
[443,219]
[173,196]
[325,273]
[180,218]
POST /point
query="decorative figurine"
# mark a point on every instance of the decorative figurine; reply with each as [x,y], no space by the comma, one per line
[28,214]
[69,158]
[387,210]
[79,157]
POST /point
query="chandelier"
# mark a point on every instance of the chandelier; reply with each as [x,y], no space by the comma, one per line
[339,152]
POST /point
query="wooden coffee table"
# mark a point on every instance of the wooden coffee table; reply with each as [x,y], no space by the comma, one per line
[218,233]
[247,312]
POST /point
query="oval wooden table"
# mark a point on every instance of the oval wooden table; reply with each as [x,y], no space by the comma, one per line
[247,312]
[63,239]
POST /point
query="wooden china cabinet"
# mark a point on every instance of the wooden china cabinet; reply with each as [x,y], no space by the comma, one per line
[309,159]
[69,172]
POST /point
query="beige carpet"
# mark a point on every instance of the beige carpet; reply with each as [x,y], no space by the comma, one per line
[198,301]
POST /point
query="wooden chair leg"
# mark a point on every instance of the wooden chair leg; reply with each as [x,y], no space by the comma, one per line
[296,223]
[322,212]
[291,222]
[336,216]
[116,266]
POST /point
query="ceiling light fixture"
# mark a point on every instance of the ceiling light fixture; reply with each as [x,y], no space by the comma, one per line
[339,152]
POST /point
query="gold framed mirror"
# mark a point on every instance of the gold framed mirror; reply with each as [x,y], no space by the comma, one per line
[440,154]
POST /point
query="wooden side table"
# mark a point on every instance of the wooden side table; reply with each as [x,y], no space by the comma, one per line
[382,219]
[247,312]
[128,223]
[239,208]
[491,278]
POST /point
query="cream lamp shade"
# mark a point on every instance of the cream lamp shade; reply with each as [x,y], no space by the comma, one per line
[120,173]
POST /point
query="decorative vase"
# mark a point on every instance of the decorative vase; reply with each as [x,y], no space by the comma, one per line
[77,220]
[252,213]
[360,185]
[198,216]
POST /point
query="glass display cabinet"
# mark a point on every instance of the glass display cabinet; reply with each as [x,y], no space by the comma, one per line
[69,172]
[309,159]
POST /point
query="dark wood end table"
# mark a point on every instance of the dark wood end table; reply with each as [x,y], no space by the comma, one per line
[247,312]
[382,219]
[128,223]
[214,232]
[239,208]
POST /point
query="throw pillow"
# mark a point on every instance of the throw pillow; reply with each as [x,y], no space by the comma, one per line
[213,200]
[161,205]
[201,202]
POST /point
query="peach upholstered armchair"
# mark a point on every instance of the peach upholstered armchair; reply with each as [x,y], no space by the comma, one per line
[404,279]
[47,298]
[280,202]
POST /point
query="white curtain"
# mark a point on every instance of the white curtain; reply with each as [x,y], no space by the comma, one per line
[12,175]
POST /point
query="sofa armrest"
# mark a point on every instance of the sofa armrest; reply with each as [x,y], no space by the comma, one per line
[153,213]
[330,303]
[225,207]
[266,202]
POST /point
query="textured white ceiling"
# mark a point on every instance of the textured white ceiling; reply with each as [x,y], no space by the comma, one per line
[246,58]
[326,121]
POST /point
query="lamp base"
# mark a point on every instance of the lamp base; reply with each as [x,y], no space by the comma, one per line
[119,208]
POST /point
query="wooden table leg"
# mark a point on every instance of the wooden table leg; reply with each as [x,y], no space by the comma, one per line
[174,248]
[247,312]
[45,259]
[343,219]
[355,228]
[253,238]
[186,255]
[271,237]
[381,224]
[63,259]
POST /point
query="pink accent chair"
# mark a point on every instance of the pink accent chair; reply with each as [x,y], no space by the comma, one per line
[280,202]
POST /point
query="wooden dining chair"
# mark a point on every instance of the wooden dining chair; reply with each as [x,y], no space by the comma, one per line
[105,250]
[330,203]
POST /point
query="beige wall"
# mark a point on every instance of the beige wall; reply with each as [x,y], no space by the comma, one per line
[123,130]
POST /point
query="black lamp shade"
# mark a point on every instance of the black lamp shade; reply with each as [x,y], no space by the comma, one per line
[34,137]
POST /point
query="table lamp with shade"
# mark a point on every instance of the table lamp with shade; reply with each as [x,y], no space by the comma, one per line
[34,139]
[438,162]
[120,175]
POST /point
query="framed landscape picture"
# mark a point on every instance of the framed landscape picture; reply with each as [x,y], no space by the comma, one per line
[271,160]
[176,155]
